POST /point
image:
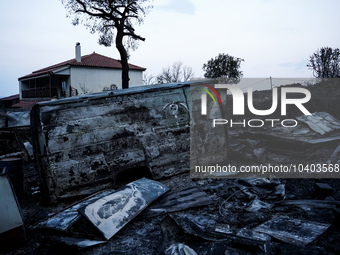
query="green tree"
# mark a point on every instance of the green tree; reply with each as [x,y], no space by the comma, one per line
[224,67]
[325,63]
[114,20]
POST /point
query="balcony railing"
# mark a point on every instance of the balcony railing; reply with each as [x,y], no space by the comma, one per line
[40,92]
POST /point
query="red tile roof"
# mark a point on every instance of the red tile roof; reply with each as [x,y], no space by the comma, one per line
[27,105]
[91,60]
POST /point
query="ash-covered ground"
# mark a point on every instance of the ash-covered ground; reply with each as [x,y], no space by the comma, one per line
[238,221]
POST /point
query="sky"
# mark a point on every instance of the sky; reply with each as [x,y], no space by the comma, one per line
[274,37]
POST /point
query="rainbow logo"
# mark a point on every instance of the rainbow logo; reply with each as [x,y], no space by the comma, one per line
[215,92]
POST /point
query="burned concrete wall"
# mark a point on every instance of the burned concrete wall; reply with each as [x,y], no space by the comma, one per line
[81,144]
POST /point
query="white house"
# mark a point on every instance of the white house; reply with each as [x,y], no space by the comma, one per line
[82,74]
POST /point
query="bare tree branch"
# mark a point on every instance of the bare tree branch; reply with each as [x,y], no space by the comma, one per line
[174,74]
[187,73]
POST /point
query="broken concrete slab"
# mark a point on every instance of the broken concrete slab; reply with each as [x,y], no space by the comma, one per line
[112,212]
[292,231]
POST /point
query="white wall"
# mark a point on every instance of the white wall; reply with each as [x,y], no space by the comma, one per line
[136,78]
[21,87]
[95,79]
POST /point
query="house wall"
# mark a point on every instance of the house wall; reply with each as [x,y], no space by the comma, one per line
[22,86]
[136,78]
[95,79]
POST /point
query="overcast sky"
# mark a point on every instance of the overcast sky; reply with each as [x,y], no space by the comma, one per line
[274,37]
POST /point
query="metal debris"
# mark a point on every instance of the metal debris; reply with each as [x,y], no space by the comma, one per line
[112,212]
[323,190]
[66,218]
[82,143]
[257,205]
[324,140]
[18,119]
[12,232]
[223,228]
[176,201]
[320,122]
[197,230]
[307,204]
[80,243]
[335,157]
[180,249]
[292,231]
[253,234]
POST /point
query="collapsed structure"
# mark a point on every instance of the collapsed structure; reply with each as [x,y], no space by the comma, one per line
[82,144]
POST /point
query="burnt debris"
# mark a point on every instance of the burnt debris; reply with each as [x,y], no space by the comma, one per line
[110,175]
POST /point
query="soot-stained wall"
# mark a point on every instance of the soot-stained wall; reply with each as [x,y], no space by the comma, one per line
[82,143]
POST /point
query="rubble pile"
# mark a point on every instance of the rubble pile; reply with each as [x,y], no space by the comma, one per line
[123,186]
[205,216]
[200,216]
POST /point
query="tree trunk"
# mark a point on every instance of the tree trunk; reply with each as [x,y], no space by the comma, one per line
[123,60]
